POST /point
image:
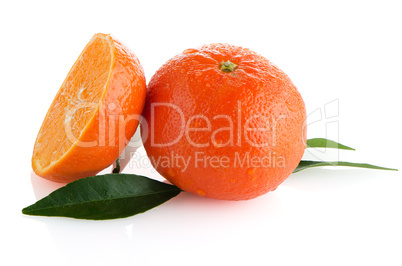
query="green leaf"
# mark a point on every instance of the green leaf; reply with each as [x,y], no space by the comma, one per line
[104,197]
[309,164]
[326,143]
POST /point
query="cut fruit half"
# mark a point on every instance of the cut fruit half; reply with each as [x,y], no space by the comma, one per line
[94,114]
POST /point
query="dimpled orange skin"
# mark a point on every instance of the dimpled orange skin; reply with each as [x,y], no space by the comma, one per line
[121,96]
[255,95]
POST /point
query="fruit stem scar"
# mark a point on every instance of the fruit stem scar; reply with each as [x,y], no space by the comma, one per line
[228,66]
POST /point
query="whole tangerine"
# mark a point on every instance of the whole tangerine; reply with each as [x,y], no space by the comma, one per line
[223,122]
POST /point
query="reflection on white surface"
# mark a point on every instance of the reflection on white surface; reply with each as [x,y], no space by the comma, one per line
[146,237]
[43,187]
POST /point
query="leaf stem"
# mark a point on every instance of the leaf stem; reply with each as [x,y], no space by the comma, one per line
[116,170]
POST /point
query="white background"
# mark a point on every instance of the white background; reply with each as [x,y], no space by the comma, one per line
[346,55]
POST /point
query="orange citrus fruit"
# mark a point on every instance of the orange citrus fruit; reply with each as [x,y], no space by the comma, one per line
[94,114]
[223,122]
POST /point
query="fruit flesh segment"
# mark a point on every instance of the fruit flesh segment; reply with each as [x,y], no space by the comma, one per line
[75,104]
